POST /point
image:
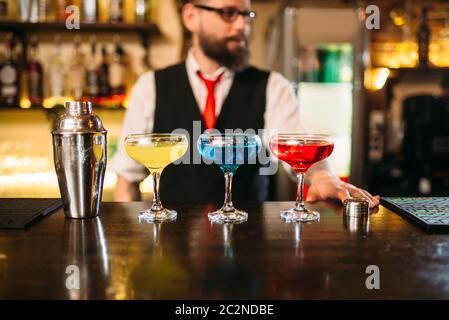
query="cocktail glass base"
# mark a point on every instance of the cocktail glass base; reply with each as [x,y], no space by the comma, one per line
[152,216]
[221,216]
[302,215]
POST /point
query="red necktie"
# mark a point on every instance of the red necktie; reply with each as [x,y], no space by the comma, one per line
[209,111]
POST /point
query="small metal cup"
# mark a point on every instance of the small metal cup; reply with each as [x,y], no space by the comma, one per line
[356,207]
[356,215]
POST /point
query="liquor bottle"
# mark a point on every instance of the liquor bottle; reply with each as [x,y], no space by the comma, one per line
[51,13]
[423,38]
[13,10]
[24,10]
[33,15]
[142,7]
[77,72]
[9,77]
[35,76]
[152,11]
[116,11]
[90,11]
[4,10]
[103,74]
[57,73]
[346,61]
[92,90]
[117,71]
[60,6]
[42,10]
[129,11]
[103,10]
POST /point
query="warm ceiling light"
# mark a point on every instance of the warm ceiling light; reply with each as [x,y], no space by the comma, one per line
[398,16]
[375,78]
[25,104]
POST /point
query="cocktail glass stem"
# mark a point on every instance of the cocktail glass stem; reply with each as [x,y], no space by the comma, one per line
[228,206]
[157,205]
[227,213]
[299,213]
[299,192]
[157,213]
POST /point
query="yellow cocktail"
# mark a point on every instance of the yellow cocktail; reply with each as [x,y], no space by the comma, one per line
[158,155]
[156,151]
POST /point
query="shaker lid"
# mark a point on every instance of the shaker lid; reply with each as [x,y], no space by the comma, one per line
[78,118]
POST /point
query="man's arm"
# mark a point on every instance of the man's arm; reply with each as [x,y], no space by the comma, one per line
[127,191]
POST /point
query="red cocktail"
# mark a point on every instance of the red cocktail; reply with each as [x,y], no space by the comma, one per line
[301,151]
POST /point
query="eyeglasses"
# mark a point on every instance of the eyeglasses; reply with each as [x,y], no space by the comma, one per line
[229,14]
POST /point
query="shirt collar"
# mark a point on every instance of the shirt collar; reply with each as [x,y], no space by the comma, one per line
[193,67]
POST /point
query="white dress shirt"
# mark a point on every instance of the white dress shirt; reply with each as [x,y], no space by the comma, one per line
[282,112]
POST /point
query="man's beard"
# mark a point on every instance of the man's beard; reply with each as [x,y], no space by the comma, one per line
[217,50]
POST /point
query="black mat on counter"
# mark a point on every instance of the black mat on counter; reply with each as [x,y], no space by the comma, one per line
[431,213]
[20,213]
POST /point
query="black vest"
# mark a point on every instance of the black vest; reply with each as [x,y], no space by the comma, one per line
[176,108]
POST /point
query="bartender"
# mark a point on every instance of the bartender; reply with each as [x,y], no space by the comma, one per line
[217,87]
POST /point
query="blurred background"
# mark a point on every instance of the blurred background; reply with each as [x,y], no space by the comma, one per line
[382,93]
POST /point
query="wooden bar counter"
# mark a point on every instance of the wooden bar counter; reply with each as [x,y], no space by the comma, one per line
[265,258]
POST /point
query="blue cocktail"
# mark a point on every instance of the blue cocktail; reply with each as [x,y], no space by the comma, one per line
[229,151]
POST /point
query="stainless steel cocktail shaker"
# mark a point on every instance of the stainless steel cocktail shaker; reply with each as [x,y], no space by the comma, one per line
[79,150]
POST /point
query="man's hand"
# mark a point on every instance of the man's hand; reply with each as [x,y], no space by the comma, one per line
[325,185]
